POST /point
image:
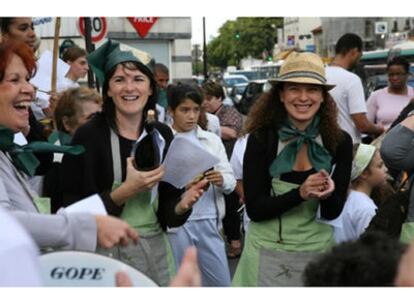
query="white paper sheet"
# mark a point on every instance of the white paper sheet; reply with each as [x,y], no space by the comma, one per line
[92,204]
[185,160]
[43,76]
[19,139]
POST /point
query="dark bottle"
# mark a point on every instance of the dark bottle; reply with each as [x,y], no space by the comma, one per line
[147,153]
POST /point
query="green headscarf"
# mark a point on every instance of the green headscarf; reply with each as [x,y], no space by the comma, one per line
[319,157]
[111,53]
[22,156]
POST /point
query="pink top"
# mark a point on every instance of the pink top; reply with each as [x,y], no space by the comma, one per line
[384,108]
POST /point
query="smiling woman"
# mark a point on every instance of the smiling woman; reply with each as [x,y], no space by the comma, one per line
[17,92]
[294,142]
[60,231]
[129,91]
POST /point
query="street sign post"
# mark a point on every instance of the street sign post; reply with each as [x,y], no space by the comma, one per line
[99,28]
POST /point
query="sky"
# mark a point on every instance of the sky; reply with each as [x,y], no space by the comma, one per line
[213,23]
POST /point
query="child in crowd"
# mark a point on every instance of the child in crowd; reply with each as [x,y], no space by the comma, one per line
[368,173]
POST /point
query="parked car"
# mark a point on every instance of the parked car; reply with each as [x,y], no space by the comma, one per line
[251,75]
[230,81]
[198,80]
[237,92]
[252,91]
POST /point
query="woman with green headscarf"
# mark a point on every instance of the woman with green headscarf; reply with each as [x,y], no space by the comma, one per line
[297,161]
[106,167]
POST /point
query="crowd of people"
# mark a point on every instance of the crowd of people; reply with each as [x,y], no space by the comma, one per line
[297,166]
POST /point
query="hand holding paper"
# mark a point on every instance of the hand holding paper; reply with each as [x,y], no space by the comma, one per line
[185,160]
[191,196]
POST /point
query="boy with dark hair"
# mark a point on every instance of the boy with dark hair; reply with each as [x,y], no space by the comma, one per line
[371,260]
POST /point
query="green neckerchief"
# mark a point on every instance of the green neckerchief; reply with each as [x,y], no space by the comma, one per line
[63,137]
[22,156]
[319,157]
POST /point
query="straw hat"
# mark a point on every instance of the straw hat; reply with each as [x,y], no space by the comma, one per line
[303,68]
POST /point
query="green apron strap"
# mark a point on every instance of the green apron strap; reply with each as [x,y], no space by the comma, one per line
[43,204]
[407,232]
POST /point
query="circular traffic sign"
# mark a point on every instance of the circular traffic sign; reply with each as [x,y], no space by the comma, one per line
[99,28]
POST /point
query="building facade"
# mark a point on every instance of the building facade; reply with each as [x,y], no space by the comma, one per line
[321,34]
[298,32]
[168,39]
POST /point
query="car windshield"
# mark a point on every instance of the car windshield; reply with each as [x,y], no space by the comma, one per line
[234,80]
[251,75]
[240,89]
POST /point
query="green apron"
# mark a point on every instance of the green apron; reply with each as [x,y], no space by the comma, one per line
[407,232]
[277,251]
[153,254]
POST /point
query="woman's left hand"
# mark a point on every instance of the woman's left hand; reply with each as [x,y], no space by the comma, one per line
[327,189]
[214,177]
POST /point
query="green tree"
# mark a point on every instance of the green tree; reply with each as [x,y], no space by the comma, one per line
[243,37]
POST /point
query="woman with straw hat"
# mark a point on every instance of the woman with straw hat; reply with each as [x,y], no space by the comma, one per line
[297,161]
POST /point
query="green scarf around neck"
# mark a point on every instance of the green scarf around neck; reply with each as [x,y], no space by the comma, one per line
[22,156]
[319,157]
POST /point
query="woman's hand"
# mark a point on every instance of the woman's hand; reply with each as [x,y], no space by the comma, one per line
[318,185]
[139,181]
[50,110]
[214,177]
[112,231]
[136,181]
[191,196]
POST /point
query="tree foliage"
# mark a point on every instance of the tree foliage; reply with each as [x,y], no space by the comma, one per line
[242,37]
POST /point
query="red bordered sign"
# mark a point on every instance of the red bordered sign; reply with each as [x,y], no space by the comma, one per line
[142,24]
[99,28]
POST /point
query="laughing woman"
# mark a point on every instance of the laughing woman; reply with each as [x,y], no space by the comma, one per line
[294,142]
[129,91]
[76,231]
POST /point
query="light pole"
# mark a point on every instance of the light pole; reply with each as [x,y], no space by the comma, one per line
[204,49]
[90,47]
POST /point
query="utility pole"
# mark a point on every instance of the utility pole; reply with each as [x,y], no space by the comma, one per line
[205,49]
[196,59]
[90,47]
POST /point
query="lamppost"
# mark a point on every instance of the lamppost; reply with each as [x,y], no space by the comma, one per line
[205,49]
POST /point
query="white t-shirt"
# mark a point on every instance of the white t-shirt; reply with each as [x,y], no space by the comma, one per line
[19,263]
[161,113]
[236,162]
[349,97]
[236,159]
[213,124]
[358,211]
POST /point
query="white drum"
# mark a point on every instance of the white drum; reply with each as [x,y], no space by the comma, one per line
[78,269]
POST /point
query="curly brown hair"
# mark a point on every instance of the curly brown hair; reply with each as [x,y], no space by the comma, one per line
[269,111]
